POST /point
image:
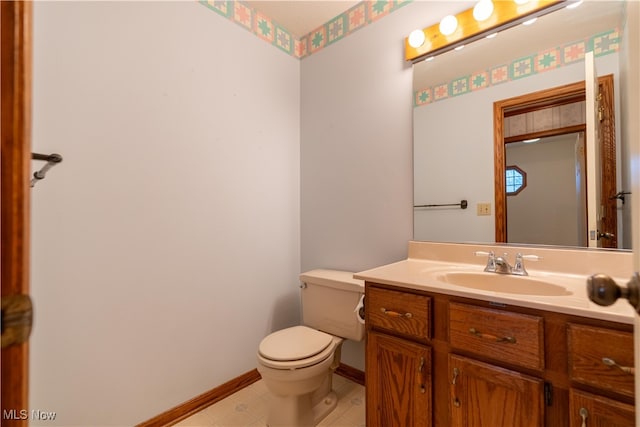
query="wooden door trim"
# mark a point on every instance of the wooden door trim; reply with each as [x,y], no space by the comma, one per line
[550,97]
[16,63]
[608,154]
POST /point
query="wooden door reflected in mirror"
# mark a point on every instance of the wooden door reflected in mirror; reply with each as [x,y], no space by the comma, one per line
[547,115]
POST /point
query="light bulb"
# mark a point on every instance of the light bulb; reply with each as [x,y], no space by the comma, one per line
[448,25]
[483,10]
[521,1]
[416,38]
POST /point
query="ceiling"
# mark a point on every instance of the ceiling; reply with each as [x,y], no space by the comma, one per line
[300,17]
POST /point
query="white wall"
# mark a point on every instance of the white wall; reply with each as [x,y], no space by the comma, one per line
[453,153]
[166,244]
[356,142]
[356,148]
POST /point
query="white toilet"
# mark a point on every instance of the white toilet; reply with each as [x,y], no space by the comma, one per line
[297,363]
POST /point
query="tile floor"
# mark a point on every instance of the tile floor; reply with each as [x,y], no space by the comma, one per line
[248,408]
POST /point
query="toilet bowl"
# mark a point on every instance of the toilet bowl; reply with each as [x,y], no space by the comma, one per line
[297,363]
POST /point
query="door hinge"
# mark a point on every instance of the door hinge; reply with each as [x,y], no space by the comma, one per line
[548,394]
[17,318]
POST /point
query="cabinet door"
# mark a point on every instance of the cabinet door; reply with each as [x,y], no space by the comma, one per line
[590,410]
[398,382]
[485,395]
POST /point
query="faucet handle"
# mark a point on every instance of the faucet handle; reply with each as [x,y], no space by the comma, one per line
[518,267]
[490,254]
[491,261]
[529,257]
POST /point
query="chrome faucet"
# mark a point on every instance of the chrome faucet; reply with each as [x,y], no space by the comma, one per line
[500,264]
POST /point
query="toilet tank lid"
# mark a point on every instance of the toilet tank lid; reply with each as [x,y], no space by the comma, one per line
[333,278]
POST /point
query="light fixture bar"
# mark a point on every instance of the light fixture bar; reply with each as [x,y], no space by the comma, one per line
[506,14]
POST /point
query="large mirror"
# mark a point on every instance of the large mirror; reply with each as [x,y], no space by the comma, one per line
[454,126]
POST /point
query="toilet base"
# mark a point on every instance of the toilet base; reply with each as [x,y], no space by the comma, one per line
[298,412]
[325,406]
[301,397]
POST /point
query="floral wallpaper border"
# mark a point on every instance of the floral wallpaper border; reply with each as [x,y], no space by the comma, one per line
[355,18]
[601,44]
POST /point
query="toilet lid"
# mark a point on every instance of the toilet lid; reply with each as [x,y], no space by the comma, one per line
[298,342]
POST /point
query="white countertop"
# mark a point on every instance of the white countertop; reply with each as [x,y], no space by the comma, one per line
[418,273]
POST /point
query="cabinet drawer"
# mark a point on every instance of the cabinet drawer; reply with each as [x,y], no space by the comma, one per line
[601,358]
[509,337]
[400,312]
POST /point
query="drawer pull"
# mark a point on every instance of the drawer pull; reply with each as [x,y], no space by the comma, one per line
[456,401]
[423,389]
[477,333]
[612,363]
[584,414]
[395,313]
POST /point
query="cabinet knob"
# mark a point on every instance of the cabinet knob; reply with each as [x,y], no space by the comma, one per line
[603,290]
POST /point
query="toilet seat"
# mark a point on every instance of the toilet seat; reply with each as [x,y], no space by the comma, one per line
[295,347]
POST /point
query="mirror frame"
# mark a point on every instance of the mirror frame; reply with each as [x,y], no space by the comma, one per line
[549,97]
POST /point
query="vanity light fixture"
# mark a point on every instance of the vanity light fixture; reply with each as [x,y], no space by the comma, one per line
[416,38]
[483,10]
[448,25]
[486,18]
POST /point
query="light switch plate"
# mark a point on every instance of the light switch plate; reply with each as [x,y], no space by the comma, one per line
[484,209]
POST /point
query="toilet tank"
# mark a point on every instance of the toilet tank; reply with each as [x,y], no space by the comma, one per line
[329,301]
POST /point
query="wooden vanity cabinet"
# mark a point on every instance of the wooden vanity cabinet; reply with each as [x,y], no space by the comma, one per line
[438,360]
[601,359]
[399,390]
[483,394]
[592,410]
[398,360]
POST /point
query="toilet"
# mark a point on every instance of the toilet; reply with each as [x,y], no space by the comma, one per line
[297,363]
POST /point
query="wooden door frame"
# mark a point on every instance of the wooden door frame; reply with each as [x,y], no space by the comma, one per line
[16,75]
[548,98]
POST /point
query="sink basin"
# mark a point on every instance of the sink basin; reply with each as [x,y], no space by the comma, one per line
[503,283]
